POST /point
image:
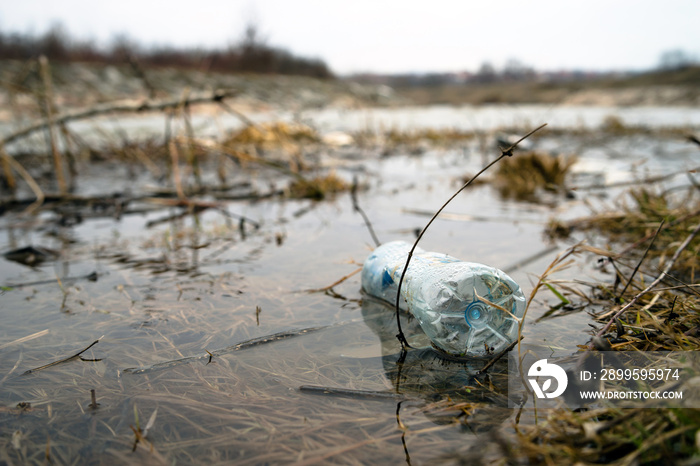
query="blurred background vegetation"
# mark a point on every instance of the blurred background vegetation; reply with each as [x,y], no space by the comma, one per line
[251,53]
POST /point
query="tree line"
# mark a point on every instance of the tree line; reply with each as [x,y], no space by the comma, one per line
[250,55]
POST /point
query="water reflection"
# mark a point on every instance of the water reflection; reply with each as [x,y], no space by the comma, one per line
[449,389]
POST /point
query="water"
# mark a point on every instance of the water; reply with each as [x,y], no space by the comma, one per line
[111,129]
[184,287]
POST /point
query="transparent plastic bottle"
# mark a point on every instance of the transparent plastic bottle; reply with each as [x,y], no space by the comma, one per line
[441,293]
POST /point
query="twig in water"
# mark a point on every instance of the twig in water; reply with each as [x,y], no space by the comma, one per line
[336,283]
[504,153]
[66,280]
[93,397]
[358,209]
[47,453]
[193,208]
[118,107]
[70,358]
[237,347]
[403,428]
[352,393]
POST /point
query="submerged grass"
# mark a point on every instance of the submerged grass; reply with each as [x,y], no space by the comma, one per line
[414,141]
[274,135]
[318,187]
[526,175]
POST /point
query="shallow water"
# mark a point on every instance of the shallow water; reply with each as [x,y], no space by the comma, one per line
[113,129]
[179,289]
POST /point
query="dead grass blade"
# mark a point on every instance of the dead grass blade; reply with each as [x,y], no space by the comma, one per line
[69,358]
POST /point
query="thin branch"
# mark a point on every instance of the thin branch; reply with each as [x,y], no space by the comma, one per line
[504,153]
[357,208]
[336,283]
[118,107]
[352,393]
[639,264]
[69,358]
[230,349]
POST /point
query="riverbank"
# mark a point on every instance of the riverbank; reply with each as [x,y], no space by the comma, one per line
[80,85]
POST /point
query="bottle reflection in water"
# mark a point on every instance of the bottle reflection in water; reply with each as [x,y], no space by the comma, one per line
[442,293]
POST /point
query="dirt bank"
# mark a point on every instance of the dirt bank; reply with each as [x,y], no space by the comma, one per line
[77,85]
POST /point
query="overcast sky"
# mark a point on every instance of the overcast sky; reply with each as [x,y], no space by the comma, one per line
[394,35]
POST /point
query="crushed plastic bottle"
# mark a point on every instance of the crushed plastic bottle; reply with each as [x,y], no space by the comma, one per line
[442,293]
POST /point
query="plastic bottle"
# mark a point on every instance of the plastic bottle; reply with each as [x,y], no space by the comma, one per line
[440,291]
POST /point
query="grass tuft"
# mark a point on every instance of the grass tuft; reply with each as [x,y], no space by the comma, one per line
[318,187]
[526,175]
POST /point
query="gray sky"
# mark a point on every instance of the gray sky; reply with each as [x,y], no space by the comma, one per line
[394,35]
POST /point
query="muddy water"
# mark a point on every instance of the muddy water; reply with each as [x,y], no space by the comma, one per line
[163,296]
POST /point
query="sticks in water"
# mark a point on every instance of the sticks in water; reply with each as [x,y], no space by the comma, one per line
[118,107]
[69,358]
[230,349]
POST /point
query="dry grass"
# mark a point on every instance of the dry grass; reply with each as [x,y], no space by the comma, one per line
[413,141]
[274,135]
[318,187]
[660,318]
[640,436]
[635,218]
[524,176]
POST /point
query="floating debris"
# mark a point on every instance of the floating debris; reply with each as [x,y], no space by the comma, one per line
[31,255]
